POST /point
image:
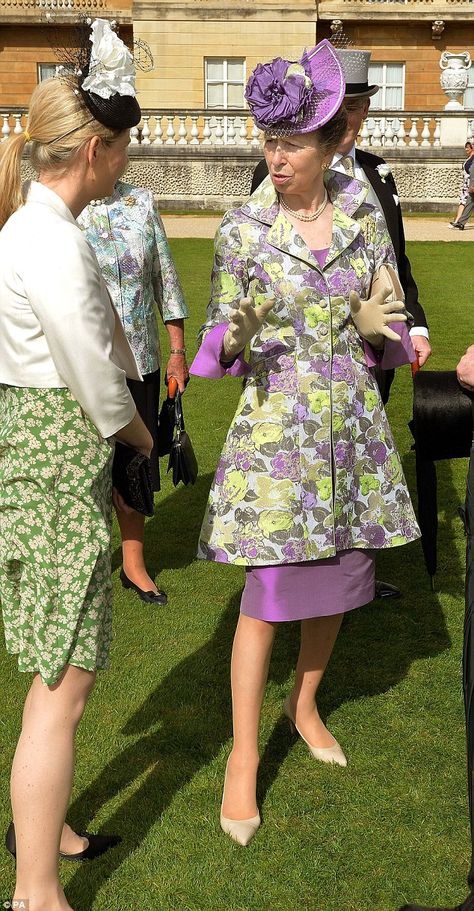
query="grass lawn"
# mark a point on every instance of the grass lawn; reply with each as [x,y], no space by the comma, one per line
[152,747]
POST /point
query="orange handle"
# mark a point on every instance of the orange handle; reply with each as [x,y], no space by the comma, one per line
[415,367]
[172,387]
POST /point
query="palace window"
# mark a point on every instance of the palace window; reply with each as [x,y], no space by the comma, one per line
[391,79]
[46,71]
[469,93]
[224,82]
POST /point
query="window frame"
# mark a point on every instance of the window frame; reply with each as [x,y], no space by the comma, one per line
[224,82]
[39,77]
[384,85]
[470,86]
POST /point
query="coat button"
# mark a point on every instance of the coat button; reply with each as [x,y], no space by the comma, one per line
[323,331]
[323,303]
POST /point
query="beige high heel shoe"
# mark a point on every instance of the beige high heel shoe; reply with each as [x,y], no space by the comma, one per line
[240,830]
[324,754]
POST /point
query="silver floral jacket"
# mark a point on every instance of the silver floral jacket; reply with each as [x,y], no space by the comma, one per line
[129,240]
[309,466]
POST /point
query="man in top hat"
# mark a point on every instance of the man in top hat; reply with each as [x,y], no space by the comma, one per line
[375,172]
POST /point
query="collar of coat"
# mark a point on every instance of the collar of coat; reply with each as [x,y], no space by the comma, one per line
[347,196]
[36,192]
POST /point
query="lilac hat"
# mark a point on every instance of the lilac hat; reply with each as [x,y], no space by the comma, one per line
[286,97]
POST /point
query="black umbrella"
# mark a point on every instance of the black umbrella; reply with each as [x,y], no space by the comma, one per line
[442,429]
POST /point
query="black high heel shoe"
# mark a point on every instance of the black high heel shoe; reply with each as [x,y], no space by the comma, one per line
[150,597]
[98,844]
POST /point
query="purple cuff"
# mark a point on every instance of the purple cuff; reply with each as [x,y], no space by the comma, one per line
[394,354]
[207,361]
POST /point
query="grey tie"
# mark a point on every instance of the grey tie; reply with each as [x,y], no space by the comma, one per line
[348,165]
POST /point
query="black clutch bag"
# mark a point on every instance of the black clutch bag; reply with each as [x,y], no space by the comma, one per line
[131,476]
[182,461]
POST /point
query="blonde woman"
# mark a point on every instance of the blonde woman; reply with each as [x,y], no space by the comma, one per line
[63,397]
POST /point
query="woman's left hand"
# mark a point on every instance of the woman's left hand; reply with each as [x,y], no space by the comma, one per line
[178,368]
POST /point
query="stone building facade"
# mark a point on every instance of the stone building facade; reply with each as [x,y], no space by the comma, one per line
[204,50]
[196,147]
[29,32]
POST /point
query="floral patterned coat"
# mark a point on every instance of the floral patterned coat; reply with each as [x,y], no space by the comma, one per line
[309,466]
[127,235]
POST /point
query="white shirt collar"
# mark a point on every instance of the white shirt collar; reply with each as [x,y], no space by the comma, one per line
[337,158]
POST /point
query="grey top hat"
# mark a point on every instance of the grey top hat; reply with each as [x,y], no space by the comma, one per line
[355,66]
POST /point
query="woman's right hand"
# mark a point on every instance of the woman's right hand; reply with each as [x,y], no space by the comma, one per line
[372,316]
[245,322]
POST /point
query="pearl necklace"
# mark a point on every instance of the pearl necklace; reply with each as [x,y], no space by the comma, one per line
[313,216]
[96,202]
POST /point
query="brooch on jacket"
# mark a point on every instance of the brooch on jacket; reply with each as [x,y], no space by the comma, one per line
[129,200]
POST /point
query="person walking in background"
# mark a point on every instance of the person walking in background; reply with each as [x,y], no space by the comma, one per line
[63,396]
[467,193]
[464,194]
[128,237]
[309,483]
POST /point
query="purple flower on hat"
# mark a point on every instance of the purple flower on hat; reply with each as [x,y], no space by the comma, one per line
[274,94]
[297,97]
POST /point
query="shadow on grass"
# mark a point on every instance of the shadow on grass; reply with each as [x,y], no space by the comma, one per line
[450,574]
[179,729]
[373,653]
[183,724]
[171,536]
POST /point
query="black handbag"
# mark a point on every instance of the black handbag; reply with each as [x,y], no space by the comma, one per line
[182,461]
[131,475]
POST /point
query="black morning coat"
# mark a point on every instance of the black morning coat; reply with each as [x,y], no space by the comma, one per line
[384,190]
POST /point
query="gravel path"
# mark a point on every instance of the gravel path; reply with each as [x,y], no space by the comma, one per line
[415,228]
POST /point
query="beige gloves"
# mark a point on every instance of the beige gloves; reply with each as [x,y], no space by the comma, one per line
[244,323]
[372,316]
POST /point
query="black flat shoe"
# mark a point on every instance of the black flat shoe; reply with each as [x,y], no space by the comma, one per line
[150,597]
[385,590]
[98,844]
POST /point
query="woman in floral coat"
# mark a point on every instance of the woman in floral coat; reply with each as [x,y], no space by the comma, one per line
[309,483]
[127,235]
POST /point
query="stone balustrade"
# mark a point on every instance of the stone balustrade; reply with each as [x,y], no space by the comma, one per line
[197,162]
[388,130]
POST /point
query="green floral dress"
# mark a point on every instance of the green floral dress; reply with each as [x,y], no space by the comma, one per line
[55,522]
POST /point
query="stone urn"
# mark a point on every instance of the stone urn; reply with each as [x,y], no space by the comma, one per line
[455,77]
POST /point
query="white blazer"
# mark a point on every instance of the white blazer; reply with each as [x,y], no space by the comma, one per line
[58,326]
